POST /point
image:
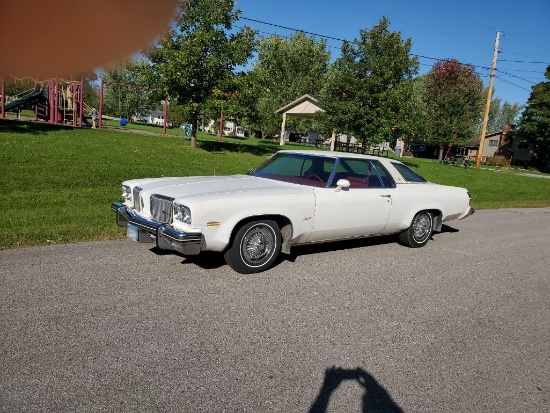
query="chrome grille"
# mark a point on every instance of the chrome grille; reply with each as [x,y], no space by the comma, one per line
[161,208]
[136,198]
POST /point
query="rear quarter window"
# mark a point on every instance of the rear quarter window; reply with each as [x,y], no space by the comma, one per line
[407,173]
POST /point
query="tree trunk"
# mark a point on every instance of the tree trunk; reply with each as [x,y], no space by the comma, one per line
[194,126]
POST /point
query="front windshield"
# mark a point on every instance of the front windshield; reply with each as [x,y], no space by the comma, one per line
[296,168]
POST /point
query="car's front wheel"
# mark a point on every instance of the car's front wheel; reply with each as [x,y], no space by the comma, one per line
[420,231]
[255,247]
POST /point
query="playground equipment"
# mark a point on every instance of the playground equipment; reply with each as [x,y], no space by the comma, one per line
[55,101]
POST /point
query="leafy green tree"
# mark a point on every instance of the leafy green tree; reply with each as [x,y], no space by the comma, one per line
[501,114]
[285,70]
[91,91]
[222,103]
[135,99]
[413,118]
[199,53]
[249,118]
[534,124]
[364,91]
[454,94]
[13,86]
[177,114]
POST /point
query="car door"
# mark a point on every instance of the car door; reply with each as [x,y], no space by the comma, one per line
[362,210]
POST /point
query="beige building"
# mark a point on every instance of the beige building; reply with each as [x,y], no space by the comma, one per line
[504,143]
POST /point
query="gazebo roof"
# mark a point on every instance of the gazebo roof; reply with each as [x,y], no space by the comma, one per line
[303,107]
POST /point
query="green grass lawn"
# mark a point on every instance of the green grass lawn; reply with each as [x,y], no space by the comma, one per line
[58,183]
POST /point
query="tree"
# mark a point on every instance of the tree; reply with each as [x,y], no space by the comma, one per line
[248,116]
[501,115]
[14,86]
[91,92]
[199,53]
[454,94]
[285,70]
[120,100]
[364,92]
[222,104]
[534,124]
[413,122]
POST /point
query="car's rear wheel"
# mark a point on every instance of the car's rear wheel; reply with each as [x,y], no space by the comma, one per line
[420,231]
[255,247]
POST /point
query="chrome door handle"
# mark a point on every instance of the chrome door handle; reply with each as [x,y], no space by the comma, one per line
[386,196]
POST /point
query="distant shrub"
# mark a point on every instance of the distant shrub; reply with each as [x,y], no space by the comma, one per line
[497,161]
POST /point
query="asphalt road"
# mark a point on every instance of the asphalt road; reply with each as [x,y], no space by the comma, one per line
[461,325]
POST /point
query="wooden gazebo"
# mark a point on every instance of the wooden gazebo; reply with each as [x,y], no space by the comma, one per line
[304,107]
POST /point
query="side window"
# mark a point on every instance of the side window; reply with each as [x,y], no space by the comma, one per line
[385,178]
[408,174]
[363,173]
[284,165]
[318,167]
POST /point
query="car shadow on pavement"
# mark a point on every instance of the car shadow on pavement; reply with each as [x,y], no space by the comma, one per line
[337,246]
[211,260]
[375,397]
[207,260]
[446,228]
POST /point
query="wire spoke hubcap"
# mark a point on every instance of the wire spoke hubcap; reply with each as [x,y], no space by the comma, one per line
[422,227]
[258,245]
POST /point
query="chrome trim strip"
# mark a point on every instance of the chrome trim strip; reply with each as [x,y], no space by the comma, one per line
[136,197]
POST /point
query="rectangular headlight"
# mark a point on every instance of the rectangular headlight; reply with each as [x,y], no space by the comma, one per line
[126,193]
[182,213]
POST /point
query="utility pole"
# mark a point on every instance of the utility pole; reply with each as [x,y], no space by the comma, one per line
[488,103]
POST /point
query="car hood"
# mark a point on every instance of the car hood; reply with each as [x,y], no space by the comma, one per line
[212,186]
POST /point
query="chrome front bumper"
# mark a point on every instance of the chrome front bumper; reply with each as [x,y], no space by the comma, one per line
[165,236]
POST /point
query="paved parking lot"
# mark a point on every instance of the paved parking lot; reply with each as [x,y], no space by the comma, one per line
[460,325]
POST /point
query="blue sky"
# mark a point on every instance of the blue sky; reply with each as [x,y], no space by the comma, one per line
[464,30]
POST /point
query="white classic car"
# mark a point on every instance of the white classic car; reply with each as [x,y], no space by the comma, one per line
[293,198]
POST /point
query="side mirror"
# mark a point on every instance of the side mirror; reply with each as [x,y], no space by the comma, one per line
[342,184]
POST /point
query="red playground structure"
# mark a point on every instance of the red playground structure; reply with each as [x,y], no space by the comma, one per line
[55,101]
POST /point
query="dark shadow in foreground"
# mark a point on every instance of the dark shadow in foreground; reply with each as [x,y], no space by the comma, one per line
[375,399]
[446,228]
[30,127]
[211,146]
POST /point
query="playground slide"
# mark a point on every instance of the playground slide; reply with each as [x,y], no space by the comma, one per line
[23,100]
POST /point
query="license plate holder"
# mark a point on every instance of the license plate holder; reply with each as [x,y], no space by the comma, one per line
[132,232]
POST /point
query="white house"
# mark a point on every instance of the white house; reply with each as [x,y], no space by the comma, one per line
[155,117]
[230,128]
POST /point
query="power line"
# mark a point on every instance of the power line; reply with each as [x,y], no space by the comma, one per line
[524,61]
[479,67]
[526,71]
[281,35]
[507,81]
[291,28]
[517,77]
